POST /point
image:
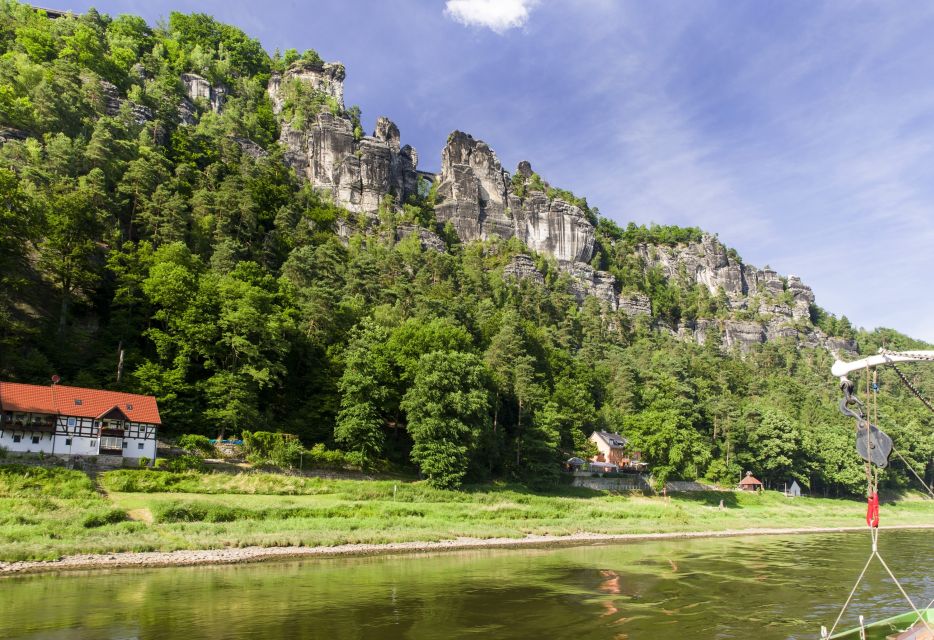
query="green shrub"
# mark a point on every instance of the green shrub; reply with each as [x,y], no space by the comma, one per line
[112,516]
[144,462]
[186,462]
[278,449]
[161,463]
[321,456]
[194,443]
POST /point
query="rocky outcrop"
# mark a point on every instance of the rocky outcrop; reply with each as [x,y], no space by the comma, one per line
[587,281]
[522,267]
[427,239]
[357,173]
[323,77]
[476,197]
[187,111]
[635,304]
[780,307]
[198,89]
[112,103]
[8,134]
[249,147]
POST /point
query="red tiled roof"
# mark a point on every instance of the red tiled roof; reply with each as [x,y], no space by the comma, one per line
[61,400]
[749,480]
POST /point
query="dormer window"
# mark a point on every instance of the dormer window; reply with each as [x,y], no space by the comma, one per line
[129,407]
[78,402]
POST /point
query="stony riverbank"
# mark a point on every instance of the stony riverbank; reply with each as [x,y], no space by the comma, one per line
[86,562]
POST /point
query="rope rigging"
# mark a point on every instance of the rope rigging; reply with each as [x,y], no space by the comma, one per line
[874,447]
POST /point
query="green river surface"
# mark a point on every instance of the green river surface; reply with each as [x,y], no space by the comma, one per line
[762,587]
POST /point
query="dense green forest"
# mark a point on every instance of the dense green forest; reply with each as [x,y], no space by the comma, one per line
[220,278]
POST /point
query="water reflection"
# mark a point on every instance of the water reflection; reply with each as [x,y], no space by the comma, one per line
[727,588]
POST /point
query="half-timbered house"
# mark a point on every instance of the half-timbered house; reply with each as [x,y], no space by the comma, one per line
[73,421]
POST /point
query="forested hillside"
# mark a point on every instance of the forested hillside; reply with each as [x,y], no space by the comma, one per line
[162,244]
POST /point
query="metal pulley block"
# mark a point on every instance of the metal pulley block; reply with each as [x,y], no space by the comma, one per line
[873,444]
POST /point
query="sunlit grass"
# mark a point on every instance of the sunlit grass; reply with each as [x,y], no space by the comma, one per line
[47,513]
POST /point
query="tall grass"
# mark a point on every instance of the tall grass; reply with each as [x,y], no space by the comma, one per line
[45,513]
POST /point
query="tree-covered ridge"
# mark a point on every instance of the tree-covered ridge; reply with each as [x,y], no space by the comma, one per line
[220,276]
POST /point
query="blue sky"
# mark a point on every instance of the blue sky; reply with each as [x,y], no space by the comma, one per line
[801,132]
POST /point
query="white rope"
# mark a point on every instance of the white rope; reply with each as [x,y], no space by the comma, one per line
[850,597]
[898,584]
[915,473]
[874,534]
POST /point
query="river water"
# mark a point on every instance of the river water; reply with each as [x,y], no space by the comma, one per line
[762,588]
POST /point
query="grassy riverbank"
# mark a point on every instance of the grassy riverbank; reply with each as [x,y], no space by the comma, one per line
[50,513]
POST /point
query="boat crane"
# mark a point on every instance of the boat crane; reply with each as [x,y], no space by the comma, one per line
[874,447]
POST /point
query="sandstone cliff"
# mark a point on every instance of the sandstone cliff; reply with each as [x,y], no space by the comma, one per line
[481,200]
[475,194]
[327,150]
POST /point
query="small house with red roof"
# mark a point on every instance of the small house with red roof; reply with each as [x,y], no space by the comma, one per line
[74,421]
[749,483]
[613,449]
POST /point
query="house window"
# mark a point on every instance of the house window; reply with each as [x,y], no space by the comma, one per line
[72,422]
[110,442]
[78,402]
[67,442]
[17,438]
[139,445]
[92,442]
[35,439]
[124,444]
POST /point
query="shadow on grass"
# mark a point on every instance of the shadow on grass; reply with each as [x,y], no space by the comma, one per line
[709,498]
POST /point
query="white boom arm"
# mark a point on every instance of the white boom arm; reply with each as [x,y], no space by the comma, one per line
[841,368]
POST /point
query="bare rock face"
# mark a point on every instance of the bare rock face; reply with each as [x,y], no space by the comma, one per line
[781,306]
[427,239]
[742,334]
[706,262]
[249,147]
[198,88]
[358,173]
[187,111]
[326,78]
[635,304]
[112,103]
[803,298]
[474,194]
[521,267]
[587,281]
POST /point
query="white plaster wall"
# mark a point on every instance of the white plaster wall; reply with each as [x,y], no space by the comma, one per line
[26,444]
[83,446]
[133,451]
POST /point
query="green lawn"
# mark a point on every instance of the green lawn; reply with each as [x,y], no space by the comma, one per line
[48,513]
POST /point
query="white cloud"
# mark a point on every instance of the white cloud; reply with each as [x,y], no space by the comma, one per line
[497,15]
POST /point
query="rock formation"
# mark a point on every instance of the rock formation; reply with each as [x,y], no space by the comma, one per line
[780,307]
[522,267]
[8,134]
[427,239]
[112,103]
[481,201]
[199,89]
[476,196]
[357,172]
[326,78]
[635,304]
[587,281]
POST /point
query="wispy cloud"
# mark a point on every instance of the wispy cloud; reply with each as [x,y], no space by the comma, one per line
[498,15]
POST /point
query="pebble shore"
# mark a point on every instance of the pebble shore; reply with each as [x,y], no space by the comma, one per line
[241,555]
